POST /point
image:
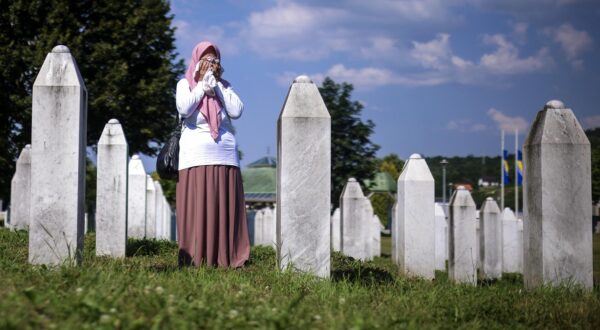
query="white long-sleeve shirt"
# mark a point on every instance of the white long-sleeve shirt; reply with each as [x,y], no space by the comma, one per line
[196,146]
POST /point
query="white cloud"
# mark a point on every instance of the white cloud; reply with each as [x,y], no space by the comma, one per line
[190,34]
[591,121]
[465,126]
[505,59]
[380,48]
[519,31]
[433,54]
[573,42]
[506,122]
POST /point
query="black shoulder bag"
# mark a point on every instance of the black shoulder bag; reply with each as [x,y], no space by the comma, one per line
[167,163]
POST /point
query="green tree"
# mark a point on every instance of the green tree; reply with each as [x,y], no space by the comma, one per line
[391,164]
[594,137]
[352,152]
[126,55]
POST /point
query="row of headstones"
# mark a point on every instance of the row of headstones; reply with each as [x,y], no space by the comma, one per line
[355,228]
[556,198]
[128,202]
[510,233]
[261,226]
[49,194]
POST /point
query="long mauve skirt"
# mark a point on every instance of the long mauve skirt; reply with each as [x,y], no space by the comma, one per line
[211,217]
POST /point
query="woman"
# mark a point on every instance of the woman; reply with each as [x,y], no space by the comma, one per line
[211,213]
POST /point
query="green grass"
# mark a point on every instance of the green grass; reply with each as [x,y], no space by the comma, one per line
[148,290]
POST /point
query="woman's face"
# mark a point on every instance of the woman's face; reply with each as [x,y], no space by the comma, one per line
[208,61]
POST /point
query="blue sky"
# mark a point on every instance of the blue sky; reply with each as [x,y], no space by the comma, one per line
[437,77]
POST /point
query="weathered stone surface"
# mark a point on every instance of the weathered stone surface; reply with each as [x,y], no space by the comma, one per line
[557,191]
[269,227]
[150,208]
[111,191]
[477,242]
[136,199]
[20,191]
[58,142]
[368,234]
[394,233]
[511,255]
[376,235]
[352,220]
[303,180]
[416,219]
[160,214]
[336,230]
[166,219]
[461,235]
[441,241]
[490,239]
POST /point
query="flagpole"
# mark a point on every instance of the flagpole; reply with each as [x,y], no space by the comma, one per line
[516,173]
[502,170]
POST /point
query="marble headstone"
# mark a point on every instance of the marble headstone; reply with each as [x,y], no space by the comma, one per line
[136,199]
[160,214]
[20,191]
[461,235]
[393,232]
[336,230]
[352,220]
[111,191]
[304,180]
[441,242]
[150,208]
[490,239]
[416,219]
[58,142]
[557,191]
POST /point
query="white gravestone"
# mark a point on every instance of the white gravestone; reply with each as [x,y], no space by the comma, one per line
[490,239]
[520,245]
[377,227]
[416,219]
[336,230]
[511,254]
[461,235]
[304,180]
[136,199]
[160,231]
[166,219]
[393,232]
[111,191]
[352,220]
[58,142]
[150,208]
[20,191]
[258,227]
[269,227]
[477,242]
[557,191]
[368,234]
[441,242]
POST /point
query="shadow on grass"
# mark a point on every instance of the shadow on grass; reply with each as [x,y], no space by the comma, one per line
[348,269]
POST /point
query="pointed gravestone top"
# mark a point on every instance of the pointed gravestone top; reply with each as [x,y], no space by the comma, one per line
[149,183]
[112,134]
[25,155]
[352,189]
[555,104]
[113,121]
[462,197]
[59,69]
[490,206]
[136,167]
[61,49]
[304,101]
[555,124]
[415,169]
[302,80]
[439,210]
[508,214]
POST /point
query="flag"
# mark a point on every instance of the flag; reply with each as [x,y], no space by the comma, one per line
[505,167]
[520,168]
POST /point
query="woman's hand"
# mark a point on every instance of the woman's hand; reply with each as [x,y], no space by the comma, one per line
[210,82]
[201,68]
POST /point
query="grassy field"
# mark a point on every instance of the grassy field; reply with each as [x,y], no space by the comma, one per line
[147,290]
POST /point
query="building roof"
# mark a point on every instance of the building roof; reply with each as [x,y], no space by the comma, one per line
[260,180]
[383,182]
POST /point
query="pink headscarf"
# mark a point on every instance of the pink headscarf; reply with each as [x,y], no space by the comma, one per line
[210,106]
